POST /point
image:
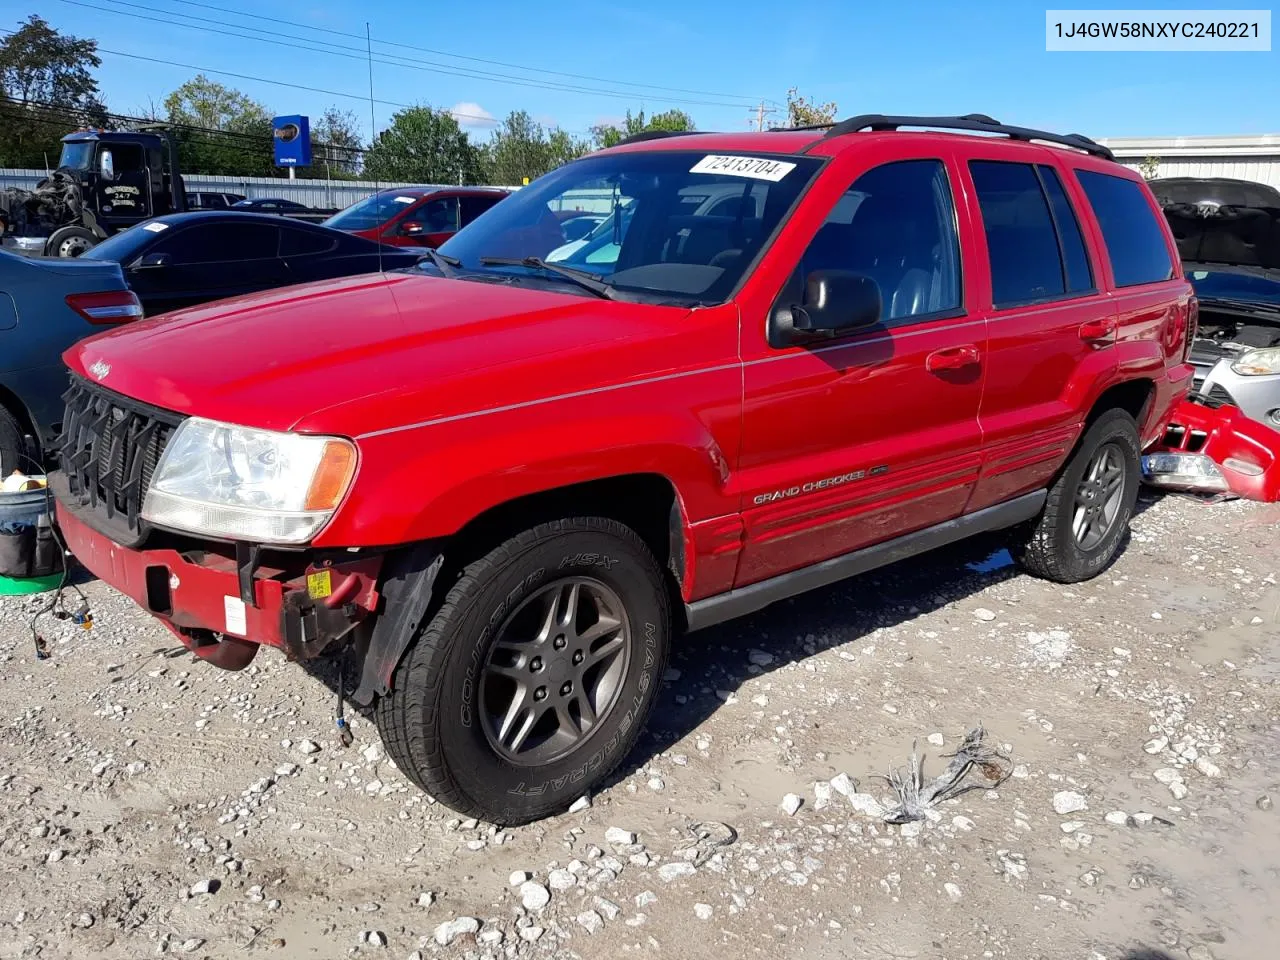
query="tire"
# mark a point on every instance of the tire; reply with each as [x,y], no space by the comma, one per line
[13,446]
[1052,548]
[68,242]
[441,721]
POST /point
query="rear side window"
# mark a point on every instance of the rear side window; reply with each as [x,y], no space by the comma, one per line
[1135,241]
[472,207]
[1074,255]
[221,242]
[1022,242]
[301,243]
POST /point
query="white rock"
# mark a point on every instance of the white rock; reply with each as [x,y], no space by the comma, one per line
[1208,767]
[1178,789]
[375,938]
[449,931]
[760,658]
[55,855]
[191,945]
[821,795]
[1167,775]
[937,739]
[286,769]
[607,908]
[985,615]
[1156,615]
[953,891]
[790,804]
[590,921]
[866,804]
[426,899]
[962,823]
[1117,818]
[1068,801]
[308,746]
[1156,745]
[491,936]
[534,896]
[842,784]
[703,911]
[531,934]
[1071,826]
[657,784]
[372,753]
[582,803]
[519,877]
[676,870]
[201,888]
[562,879]
[619,837]
[645,898]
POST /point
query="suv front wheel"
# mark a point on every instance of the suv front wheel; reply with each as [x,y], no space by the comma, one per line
[534,678]
[1089,506]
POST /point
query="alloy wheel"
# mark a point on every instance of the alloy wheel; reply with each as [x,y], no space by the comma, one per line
[1099,496]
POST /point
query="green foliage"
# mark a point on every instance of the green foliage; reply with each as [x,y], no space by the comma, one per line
[609,135]
[1149,168]
[521,148]
[207,104]
[423,145]
[46,91]
[803,113]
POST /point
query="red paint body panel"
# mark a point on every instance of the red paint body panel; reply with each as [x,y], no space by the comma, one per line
[462,396]
[1231,440]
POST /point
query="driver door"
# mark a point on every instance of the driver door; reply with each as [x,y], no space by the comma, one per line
[872,433]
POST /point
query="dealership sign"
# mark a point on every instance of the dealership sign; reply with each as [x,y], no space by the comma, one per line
[292,139]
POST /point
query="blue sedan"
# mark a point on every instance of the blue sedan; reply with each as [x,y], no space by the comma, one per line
[45,307]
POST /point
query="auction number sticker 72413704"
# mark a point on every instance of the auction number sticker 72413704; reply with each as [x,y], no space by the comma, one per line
[757,168]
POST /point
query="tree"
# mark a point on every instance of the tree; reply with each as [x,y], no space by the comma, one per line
[608,134]
[207,109]
[802,113]
[1149,168]
[520,147]
[336,145]
[46,91]
[423,145]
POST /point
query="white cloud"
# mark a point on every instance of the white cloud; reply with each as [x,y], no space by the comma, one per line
[473,115]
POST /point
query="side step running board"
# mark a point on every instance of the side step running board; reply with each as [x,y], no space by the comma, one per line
[757,596]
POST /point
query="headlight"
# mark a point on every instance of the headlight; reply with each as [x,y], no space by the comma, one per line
[1258,363]
[244,484]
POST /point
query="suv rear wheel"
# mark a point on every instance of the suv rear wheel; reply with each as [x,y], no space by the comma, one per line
[533,679]
[1089,506]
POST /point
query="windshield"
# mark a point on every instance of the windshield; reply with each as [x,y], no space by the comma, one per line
[1229,285]
[370,212]
[124,246]
[78,155]
[677,225]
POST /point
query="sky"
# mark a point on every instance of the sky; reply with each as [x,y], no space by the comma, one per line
[576,63]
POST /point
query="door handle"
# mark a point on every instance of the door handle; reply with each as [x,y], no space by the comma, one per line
[1091,331]
[952,358]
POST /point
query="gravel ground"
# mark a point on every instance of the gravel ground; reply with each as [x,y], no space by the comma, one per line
[153,805]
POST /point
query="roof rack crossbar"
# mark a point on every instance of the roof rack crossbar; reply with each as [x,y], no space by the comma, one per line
[654,135]
[974,121]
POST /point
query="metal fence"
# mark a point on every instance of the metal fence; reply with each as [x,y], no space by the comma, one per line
[325,194]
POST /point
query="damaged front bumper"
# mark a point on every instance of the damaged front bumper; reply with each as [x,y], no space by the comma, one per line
[223,608]
[1215,451]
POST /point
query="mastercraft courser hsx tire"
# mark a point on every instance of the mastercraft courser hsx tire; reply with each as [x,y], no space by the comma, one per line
[1051,546]
[489,711]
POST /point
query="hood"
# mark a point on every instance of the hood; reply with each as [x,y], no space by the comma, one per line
[1224,222]
[366,353]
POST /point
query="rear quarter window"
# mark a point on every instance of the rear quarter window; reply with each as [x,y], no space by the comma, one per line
[1134,239]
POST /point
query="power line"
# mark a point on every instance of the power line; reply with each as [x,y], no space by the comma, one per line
[354,53]
[457,56]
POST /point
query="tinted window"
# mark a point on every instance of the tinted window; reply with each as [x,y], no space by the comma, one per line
[896,224]
[302,243]
[125,157]
[472,207]
[1021,241]
[218,242]
[1135,242]
[1079,275]
[438,216]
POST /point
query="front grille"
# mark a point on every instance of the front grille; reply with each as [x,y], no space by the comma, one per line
[1217,397]
[109,448]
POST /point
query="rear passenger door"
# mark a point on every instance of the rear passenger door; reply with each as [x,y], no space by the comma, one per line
[866,436]
[1049,329]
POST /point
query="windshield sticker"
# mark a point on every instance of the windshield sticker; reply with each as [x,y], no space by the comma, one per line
[405,199]
[155,227]
[756,168]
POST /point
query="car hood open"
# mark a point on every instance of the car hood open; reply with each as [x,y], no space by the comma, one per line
[1219,221]
[367,353]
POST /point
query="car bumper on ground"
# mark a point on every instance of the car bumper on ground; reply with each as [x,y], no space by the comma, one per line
[1215,451]
[199,596]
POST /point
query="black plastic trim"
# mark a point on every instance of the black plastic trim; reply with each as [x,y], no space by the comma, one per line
[757,596]
[655,135]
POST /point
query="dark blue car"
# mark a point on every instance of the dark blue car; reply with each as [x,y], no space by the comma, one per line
[45,307]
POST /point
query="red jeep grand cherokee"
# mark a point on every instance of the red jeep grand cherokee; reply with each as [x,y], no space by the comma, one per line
[505,480]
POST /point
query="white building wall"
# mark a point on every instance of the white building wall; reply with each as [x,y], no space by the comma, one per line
[1254,158]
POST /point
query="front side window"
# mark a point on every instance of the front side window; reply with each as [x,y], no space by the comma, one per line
[661,238]
[897,225]
[1135,242]
[1022,242]
[371,212]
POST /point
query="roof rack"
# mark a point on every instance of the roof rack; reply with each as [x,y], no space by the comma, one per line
[972,121]
[655,135]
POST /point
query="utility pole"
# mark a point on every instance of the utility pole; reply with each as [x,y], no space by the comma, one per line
[761,112]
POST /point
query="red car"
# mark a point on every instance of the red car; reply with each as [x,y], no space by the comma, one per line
[502,482]
[415,216]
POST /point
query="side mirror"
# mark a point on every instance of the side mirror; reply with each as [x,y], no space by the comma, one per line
[837,301]
[153,261]
[106,164]
[411,228]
